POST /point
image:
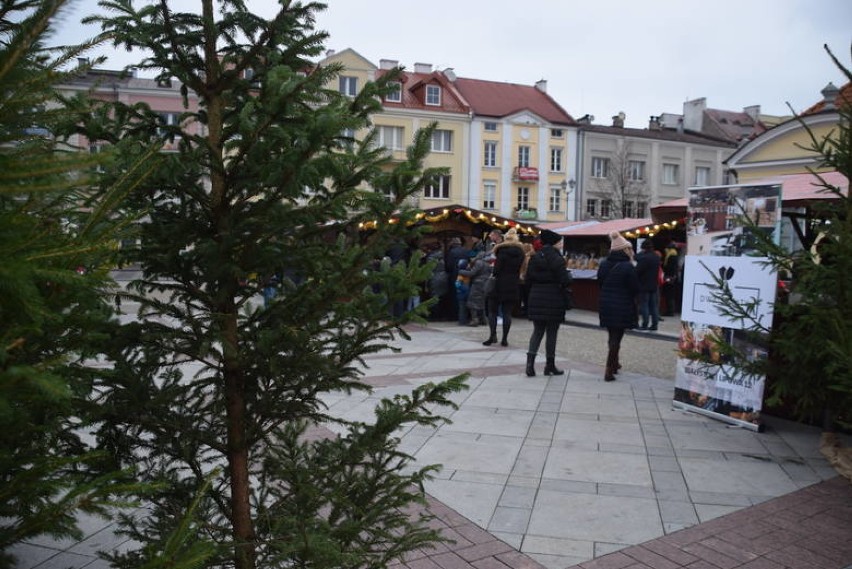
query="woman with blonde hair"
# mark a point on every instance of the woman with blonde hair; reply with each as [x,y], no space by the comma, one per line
[509,256]
[619,286]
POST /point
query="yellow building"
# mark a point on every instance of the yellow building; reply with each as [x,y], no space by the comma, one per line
[506,145]
[784,149]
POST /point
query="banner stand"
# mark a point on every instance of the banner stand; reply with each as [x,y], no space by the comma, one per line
[757,427]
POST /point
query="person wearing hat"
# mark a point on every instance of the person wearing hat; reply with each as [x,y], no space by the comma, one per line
[548,278]
[619,286]
[508,259]
[648,268]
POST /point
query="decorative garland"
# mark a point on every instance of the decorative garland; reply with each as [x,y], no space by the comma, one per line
[651,230]
[435,216]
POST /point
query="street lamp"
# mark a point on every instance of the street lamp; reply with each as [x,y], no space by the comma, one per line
[568,184]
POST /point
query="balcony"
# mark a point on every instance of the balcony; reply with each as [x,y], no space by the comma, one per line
[525,214]
[521,174]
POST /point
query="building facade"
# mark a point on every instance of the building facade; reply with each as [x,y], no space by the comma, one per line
[623,172]
[509,148]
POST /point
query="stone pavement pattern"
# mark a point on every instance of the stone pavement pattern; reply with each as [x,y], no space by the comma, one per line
[571,471]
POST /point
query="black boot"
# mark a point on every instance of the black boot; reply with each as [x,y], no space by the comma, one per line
[492,339]
[611,357]
[551,369]
[530,365]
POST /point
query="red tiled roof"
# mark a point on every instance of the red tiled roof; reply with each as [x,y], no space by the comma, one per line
[496,99]
[413,97]
[843,97]
[734,125]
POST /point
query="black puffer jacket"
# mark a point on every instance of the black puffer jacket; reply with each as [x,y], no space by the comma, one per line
[507,268]
[619,286]
[547,277]
[648,270]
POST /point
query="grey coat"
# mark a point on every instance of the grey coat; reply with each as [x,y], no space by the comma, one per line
[478,273]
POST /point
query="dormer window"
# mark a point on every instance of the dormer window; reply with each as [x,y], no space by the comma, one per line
[395,93]
[433,95]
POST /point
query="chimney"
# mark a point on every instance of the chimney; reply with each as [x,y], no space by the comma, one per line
[82,61]
[753,111]
[541,85]
[618,120]
[329,53]
[654,123]
[423,68]
[388,63]
[829,96]
[693,114]
[450,74]
[586,119]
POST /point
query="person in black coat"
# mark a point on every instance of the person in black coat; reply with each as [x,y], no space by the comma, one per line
[648,273]
[455,253]
[548,279]
[509,256]
[618,288]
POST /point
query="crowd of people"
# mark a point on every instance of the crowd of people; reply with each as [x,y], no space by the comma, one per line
[487,282]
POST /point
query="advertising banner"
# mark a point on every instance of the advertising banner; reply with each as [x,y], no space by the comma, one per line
[721,254]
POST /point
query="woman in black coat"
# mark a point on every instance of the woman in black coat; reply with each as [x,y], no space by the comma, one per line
[547,278]
[618,288]
[509,256]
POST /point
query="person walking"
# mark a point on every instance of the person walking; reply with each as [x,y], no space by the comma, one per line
[509,256]
[548,279]
[648,273]
[456,253]
[618,288]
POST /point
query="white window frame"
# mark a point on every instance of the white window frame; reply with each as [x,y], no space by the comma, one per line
[433,95]
[170,119]
[600,167]
[702,172]
[523,198]
[671,173]
[636,170]
[395,94]
[556,159]
[629,209]
[606,208]
[641,209]
[348,85]
[442,140]
[390,137]
[489,159]
[440,190]
[556,133]
[489,195]
[592,207]
[489,126]
[555,199]
[523,156]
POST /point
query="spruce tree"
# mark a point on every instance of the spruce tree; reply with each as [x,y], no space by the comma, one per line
[211,378]
[55,241]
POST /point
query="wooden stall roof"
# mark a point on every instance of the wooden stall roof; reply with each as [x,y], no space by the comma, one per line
[601,228]
[471,215]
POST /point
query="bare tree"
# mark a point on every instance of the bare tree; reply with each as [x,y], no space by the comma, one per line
[624,184]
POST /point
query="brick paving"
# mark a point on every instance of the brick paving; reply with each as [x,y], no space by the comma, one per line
[807,529]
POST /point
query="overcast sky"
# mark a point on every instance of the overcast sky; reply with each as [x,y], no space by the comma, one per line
[599,57]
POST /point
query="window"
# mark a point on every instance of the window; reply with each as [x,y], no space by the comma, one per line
[606,208]
[439,190]
[556,133]
[555,159]
[442,141]
[433,95]
[395,93]
[490,154]
[592,208]
[348,136]
[523,198]
[390,137]
[636,170]
[670,174]
[168,119]
[490,126]
[600,167]
[489,195]
[641,209]
[628,209]
[348,85]
[248,73]
[523,157]
[702,176]
[555,199]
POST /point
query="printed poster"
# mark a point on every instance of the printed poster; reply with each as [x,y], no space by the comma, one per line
[721,252]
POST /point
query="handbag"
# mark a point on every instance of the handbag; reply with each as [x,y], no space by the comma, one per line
[491,286]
